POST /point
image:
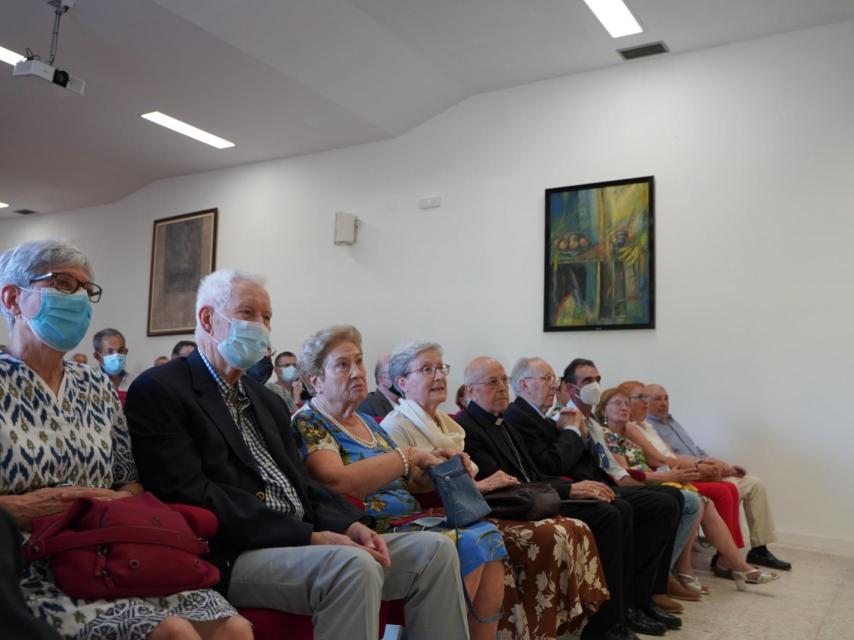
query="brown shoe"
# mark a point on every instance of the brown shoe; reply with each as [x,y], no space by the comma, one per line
[669,605]
[676,590]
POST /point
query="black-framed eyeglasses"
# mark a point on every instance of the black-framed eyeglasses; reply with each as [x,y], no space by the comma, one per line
[67,283]
[494,383]
[429,371]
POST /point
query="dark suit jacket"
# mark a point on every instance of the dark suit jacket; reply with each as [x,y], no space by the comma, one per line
[188,449]
[488,448]
[555,452]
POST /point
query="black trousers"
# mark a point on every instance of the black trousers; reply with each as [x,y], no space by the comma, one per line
[634,535]
[17,621]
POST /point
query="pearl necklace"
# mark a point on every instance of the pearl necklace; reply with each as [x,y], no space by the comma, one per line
[370,444]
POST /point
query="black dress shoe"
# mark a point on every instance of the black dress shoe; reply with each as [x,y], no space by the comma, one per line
[668,619]
[617,632]
[639,622]
[761,555]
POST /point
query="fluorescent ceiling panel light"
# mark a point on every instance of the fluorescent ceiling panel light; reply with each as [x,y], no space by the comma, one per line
[615,17]
[10,57]
[3,205]
[187,129]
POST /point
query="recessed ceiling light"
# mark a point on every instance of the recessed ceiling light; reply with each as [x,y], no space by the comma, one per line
[10,57]
[187,129]
[3,205]
[615,17]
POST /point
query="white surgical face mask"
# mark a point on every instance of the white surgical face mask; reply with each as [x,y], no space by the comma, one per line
[590,394]
[289,373]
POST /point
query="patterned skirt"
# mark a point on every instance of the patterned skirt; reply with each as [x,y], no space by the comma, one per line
[555,582]
[120,619]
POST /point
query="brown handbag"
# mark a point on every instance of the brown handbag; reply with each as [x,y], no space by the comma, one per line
[527,501]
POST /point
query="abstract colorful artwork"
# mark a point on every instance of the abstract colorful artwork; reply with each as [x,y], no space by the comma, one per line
[599,256]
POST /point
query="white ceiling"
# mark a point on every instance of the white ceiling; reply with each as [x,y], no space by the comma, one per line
[287,77]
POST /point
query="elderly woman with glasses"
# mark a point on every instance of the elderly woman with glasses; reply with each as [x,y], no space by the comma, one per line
[614,411]
[557,581]
[63,436]
[352,454]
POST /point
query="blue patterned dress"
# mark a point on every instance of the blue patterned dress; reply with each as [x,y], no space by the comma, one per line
[78,438]
[480,542]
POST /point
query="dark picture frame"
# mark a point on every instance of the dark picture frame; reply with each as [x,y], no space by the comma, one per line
[600,256]
[183,251]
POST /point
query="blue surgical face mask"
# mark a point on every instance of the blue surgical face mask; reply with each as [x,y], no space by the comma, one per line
[289,373]
[62,319]
[246,343]
[114,363]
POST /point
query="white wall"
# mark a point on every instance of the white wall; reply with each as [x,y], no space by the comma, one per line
[751,148]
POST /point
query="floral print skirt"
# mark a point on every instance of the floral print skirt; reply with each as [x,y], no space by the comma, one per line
[555,582]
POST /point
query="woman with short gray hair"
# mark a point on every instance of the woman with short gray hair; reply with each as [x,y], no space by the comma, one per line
[67,439]
[558,583]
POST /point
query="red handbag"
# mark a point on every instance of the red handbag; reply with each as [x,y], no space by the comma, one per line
[129,547]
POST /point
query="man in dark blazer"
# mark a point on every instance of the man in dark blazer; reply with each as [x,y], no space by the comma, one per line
[205,434]
[630,552]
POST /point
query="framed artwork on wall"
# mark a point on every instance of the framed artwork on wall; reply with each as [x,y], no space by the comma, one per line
[183,251]
[599,256]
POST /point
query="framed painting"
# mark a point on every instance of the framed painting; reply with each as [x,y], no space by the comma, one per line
[600,259]
[183,251]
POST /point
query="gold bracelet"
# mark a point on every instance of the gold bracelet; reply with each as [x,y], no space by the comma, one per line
[402,455]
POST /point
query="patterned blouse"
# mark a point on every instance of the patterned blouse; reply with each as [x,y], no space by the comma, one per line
[633,454]
[314,433]
[78,437]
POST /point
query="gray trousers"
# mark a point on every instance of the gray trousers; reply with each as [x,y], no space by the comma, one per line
[341,587]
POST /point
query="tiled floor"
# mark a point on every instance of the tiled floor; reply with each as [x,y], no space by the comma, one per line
[815,601]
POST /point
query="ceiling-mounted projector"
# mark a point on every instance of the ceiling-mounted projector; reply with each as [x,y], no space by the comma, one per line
[58,77]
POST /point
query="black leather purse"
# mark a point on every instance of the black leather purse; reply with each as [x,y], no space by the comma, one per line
[527,501]
[463,502]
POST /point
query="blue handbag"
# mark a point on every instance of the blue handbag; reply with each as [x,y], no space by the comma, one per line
[463,502]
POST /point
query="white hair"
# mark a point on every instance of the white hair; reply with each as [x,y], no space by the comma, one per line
[215,289]
[404,355]
[522,369]
[22,264]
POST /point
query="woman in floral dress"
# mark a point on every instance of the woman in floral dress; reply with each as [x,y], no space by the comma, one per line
[63,436]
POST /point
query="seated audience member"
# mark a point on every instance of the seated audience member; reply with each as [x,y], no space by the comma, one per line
[111,353]
[632,536]
[53,455]
[461,398]
[383,399]
[657,453]
[80,358]
[558,584]
[352,454]
[183,348]
[287,384]
[613,411]
[751,488]
[160,361]
[208,435]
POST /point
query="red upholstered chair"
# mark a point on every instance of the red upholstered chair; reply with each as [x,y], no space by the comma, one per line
[271,624]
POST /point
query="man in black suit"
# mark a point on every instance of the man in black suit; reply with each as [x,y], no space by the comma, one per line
[205,434]
[630,553]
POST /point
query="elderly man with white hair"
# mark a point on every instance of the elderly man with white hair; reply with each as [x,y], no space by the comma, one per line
[205,434]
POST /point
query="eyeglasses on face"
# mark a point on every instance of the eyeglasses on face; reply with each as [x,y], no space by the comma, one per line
[547,379]
[640,397]
[494,383]
[618,403]
[429,370]
[67,283]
